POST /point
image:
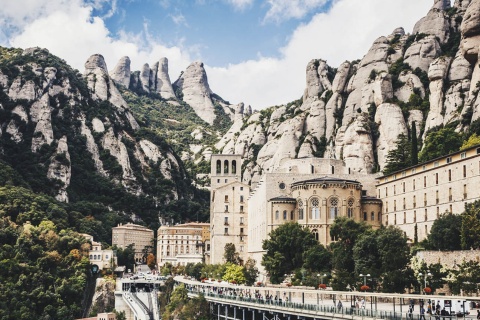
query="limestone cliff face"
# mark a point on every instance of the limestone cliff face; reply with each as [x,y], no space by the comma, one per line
[68,121]
[121,73]
[357,111]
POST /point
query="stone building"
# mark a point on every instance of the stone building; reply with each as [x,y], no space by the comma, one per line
[140,236]
[310,191]
[228,208]
[420,194]
[103,258]
[183,243]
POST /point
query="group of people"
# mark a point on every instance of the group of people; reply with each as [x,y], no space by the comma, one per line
[432,309]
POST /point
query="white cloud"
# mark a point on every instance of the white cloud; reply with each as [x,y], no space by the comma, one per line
[286,9]
[346,32]
[240,4]
[179,19]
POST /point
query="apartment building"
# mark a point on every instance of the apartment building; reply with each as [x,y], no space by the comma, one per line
[140,236]
[183,243]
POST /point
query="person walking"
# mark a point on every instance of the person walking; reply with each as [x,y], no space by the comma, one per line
[422,313]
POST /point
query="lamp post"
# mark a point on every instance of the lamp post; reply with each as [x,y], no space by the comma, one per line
[321,276]
[425,276]
[365,276]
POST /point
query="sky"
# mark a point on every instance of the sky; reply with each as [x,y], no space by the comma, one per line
[254,51]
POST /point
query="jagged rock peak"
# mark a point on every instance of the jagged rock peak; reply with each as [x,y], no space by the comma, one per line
[470,29]
[121,73]
[164,86]
[442,4]
[96,61]
[196,91]
[400,31]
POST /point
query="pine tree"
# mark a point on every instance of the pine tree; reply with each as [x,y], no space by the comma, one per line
[414,142]
[400,157]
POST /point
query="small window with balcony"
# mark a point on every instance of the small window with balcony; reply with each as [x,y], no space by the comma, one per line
[225,221]
[226,231]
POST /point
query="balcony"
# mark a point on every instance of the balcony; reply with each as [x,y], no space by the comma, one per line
[226,223]
[226,234]
[241,223]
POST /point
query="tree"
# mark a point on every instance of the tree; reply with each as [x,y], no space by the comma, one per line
[465,278]
[347,232]
[285,248]
[151,261]
[234,273]
[230,254]
[400,157]
[414,142]
[251,272]
[317,258]
[445,233]
[439,143]
[473,140]
[470,231]
[125,256]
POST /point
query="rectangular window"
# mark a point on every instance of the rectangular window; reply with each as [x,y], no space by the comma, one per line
[404,187]
[284,214]
[464,191]
[292,215]
[413,184]
[364,216]
[241,220]
[241,199]
[226,198]
[436,178]
[463,155]
[425,199]
[425,181]
[449,175]
[404,204]
[372,216]
[394,205]
[241,231]
[394,190]
[426,216]
[414,215]
[241,209]
[241,248]
[414,201]
[449,159]
[436,164]
[464,171]
[436,197]
[225,221]
[226,231]
[241,188]
[414,170]
[449,194]
[300,214]
[404,217]
[451,209]
[226,208]
[386,191]
[386,206]
[438,212]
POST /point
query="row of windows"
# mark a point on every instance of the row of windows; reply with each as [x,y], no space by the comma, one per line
[425,216]
[241,198]
[242,232]
[425,199]
[332,209]
[437,178]
[226,166]
[98,257]
[225,221]
[241,209]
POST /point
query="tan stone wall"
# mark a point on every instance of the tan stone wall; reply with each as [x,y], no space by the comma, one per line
[124,235]
[449,259]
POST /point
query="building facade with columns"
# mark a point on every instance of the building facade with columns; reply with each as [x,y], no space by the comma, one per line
[418,195]
[103,258]
[183,243]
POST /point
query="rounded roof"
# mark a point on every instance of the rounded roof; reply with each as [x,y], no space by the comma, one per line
[324,180]
[283,199]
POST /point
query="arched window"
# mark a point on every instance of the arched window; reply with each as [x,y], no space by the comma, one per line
[315,234]
[284,214]
[225,166]
[276,215]
[219,166]
[315,209]
[291,215]
[333,207]
[350,203]
[300,210]
[234,167]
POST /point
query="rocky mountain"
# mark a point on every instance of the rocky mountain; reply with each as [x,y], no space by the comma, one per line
[357,111]
[74,137]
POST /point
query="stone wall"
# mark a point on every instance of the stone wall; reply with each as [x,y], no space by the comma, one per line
[449,259]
